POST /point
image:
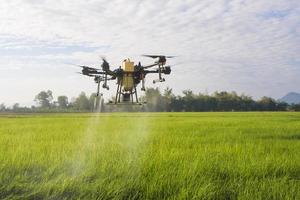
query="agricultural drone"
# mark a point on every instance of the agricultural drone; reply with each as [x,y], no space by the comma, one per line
[128,76]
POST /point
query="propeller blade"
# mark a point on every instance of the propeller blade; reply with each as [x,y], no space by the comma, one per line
[150,56]
[85,67]
[74,65]
[158,56]
[105,64]
[149,66]
[85,74]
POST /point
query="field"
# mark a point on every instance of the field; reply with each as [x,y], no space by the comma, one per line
[150,156]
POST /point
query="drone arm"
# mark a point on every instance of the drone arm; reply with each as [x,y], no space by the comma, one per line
[149,66]
[97,72]
[109,72]
[150,71]
[165,70]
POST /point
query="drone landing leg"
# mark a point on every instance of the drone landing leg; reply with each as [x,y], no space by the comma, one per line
[95,104]
[131,94]
[136,98]
[120,92]
[159,72]
[98,89]
[117,94]
[143,83]
[97,95]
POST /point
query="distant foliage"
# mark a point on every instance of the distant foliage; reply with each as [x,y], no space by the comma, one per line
[62,102]
[82,102]
[295,107]
[157,101]
[2,107]
[218,101]
[44,99]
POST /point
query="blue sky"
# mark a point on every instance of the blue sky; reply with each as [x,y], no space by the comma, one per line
[251,47]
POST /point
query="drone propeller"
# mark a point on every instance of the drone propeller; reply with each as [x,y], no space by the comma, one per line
[105,64]
[86,67]
[161,59]
[81,66]
[85,74]
[158,56]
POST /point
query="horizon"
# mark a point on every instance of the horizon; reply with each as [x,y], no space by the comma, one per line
[243,46]
[106,98]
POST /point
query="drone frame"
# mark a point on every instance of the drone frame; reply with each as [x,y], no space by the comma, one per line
[138,75]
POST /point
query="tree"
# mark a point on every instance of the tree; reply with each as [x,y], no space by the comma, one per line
[97,102]
[189,100]
[153,98]
[62,102]
[247,103]
[295,107]
[167,99]
[16,107]
[82,102]
[227,101]
[44,99]
[267,104]
[282,106]
[2,107]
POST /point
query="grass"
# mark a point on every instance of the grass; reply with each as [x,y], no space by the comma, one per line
[150,156]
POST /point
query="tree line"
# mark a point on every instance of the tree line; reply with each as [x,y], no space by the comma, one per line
[46,103]
[218,101]
[156,101]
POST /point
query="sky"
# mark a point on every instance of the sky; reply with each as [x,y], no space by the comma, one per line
[251,47]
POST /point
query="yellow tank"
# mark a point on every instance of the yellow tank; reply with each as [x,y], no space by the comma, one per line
[127,82]
[127,65]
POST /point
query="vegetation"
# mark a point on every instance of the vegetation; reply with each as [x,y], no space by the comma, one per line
[158,102]
[218,101]
[150,156]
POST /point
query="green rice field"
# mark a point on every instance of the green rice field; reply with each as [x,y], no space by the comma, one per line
[150,156]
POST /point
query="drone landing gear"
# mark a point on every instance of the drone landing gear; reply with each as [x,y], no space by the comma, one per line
[126,96]
[98,103]
[98,98]
[160,70]
[143,83]
[159,80]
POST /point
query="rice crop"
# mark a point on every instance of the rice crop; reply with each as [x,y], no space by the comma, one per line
[150,156]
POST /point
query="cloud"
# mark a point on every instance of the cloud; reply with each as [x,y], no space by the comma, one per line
[234,45]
